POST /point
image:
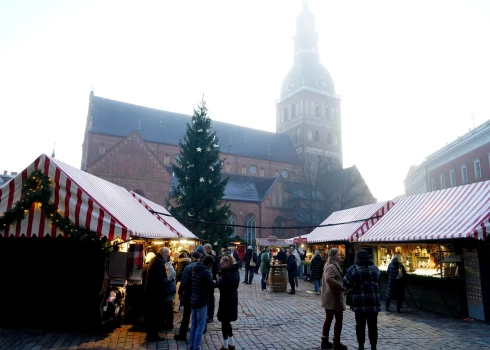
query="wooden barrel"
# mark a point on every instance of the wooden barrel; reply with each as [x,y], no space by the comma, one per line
[278,278]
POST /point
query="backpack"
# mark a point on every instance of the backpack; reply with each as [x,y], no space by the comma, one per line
[170,284]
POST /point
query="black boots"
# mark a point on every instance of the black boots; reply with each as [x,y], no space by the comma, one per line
[326,344]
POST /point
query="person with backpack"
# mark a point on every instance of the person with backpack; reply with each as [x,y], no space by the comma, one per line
[363,280]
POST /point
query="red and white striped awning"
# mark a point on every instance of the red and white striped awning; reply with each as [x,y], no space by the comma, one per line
[169,221]
[351,231]
[86,200]
[457,212]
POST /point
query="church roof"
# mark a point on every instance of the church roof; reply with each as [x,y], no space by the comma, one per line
[117,118]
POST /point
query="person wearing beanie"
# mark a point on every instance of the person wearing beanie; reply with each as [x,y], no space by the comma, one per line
[363,279]
[250,260]
[200,250]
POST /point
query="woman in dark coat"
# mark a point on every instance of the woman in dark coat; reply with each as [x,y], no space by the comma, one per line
[316,271]
[292,268]
[228,300]
[396,282]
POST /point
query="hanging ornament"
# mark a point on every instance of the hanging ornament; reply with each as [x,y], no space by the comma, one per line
[215,145]
[201,179]
[186,178]
[173,174]
[203,231]
[210,210]
[199,149]
[214,137]
[209,181]
[211,167]
[208,149]
[208,131]
[193,121]
[200,130]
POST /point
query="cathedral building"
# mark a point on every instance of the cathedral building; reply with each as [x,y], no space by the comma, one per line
[134,146]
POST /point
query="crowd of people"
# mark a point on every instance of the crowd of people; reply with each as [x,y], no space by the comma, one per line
[191,286]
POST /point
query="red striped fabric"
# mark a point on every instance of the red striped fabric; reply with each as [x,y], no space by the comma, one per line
[458,212]
[349,231]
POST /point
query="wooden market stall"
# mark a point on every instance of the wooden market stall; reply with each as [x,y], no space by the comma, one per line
[68,246]
[440,236]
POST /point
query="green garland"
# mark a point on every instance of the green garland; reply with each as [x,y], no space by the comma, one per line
[37,189]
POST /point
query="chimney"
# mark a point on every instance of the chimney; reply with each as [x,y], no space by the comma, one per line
[5,172]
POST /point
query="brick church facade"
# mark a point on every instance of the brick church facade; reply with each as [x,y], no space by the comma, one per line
[134,146]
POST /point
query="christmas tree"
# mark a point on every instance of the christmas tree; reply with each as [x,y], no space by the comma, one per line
[199,193]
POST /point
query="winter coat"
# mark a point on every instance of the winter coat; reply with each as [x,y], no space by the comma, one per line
[316,267]
[181,264]
[332,288]
[156,286]
[281,257]
[202,285]
[228,294]
[171,283]
[216,266]
[296,256]
[394,278]
[363,279]
[249,255]
[292,267]
[265,262]
[185,288]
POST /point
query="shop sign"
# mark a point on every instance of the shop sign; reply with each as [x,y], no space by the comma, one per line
[272,239]
[298,240]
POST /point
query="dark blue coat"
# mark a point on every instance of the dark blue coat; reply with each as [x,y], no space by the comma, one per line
[395,285]
[202,285]
[316,267]
[185,288]
[281,257]
[228,293]
[156,278]
[292,267]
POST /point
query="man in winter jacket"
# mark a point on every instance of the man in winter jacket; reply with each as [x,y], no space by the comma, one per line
[214,271]
[182,262]
[202,284]
[250,256]
[316,270]
[265,265]
[185,292]
[155,293]
[297,258]
[292,271]
[281,256]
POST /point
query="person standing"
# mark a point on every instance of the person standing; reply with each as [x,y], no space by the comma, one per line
[292,268]
[214,271]
[182,262]
[185,293]
[333,300]
[265,266]
[281,256]
[294,252]
[228,300]
[363,279]
[396,283]
[250,256]
[168,314]
[155,293]
[316,270]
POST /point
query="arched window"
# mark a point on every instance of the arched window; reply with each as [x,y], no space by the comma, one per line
[262,172]
[297,109]
[335,140]
[310,134]
[250,230]
[227,167]
[327,113]
[231,220]
[317,136]
[329,139]
[278,230]
[244,169]
[274,199]
[101,148]
[317,113]
[307,107]
[166,159]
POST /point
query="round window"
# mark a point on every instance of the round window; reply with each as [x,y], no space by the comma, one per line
[285,174]
[252,169]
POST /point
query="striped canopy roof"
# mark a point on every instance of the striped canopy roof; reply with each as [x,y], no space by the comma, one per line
[457,212]
[86,200]
[169,221]
[350,231]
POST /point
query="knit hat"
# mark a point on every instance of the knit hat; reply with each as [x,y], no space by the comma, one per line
[363,255]
[249,247]
[200,249]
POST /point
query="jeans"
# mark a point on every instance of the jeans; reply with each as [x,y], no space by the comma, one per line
[337,330]
[316,283]
[371,318]
[186,317]
[292,284]
[301,270]
[197,327]
[264,281]
[249,274]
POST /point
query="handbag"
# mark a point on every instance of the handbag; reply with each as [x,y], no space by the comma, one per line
[252,262]
[349,297]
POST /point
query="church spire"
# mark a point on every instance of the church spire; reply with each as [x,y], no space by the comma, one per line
[306,38]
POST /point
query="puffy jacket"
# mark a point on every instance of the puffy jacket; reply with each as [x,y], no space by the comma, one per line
[316,267]
[185,288]
[202,285]
[181,264]
[228,294]
[292,267]
[265,263]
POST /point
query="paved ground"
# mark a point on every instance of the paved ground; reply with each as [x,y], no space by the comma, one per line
[277,321]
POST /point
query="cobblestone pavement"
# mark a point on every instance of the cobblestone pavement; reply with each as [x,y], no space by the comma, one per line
[276,321]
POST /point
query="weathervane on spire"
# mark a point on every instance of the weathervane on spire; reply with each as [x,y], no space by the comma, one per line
[305,5]
[54,146]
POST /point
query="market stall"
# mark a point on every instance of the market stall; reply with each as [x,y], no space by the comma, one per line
[74,241]
[439,235]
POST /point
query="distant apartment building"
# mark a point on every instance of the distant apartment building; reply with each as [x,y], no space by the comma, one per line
[463,161]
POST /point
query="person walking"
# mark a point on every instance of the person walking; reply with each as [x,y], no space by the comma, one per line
[292,268]
[155,293]
[316,270]
[363,279]
[185,293]
[265,266]
[228,300]
[396,282]
[202,284]
[333,300]
[250,260]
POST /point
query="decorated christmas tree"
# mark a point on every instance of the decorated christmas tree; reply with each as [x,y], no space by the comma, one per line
[200,189]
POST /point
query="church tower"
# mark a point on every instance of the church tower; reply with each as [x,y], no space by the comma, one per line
[308,109]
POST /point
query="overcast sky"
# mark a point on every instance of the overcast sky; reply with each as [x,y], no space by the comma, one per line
[409,72]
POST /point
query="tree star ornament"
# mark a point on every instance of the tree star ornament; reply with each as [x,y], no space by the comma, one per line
[215,145]
[201,179]
[211,167]
[208,149]
[199,149]
[200,130]
[209,181]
